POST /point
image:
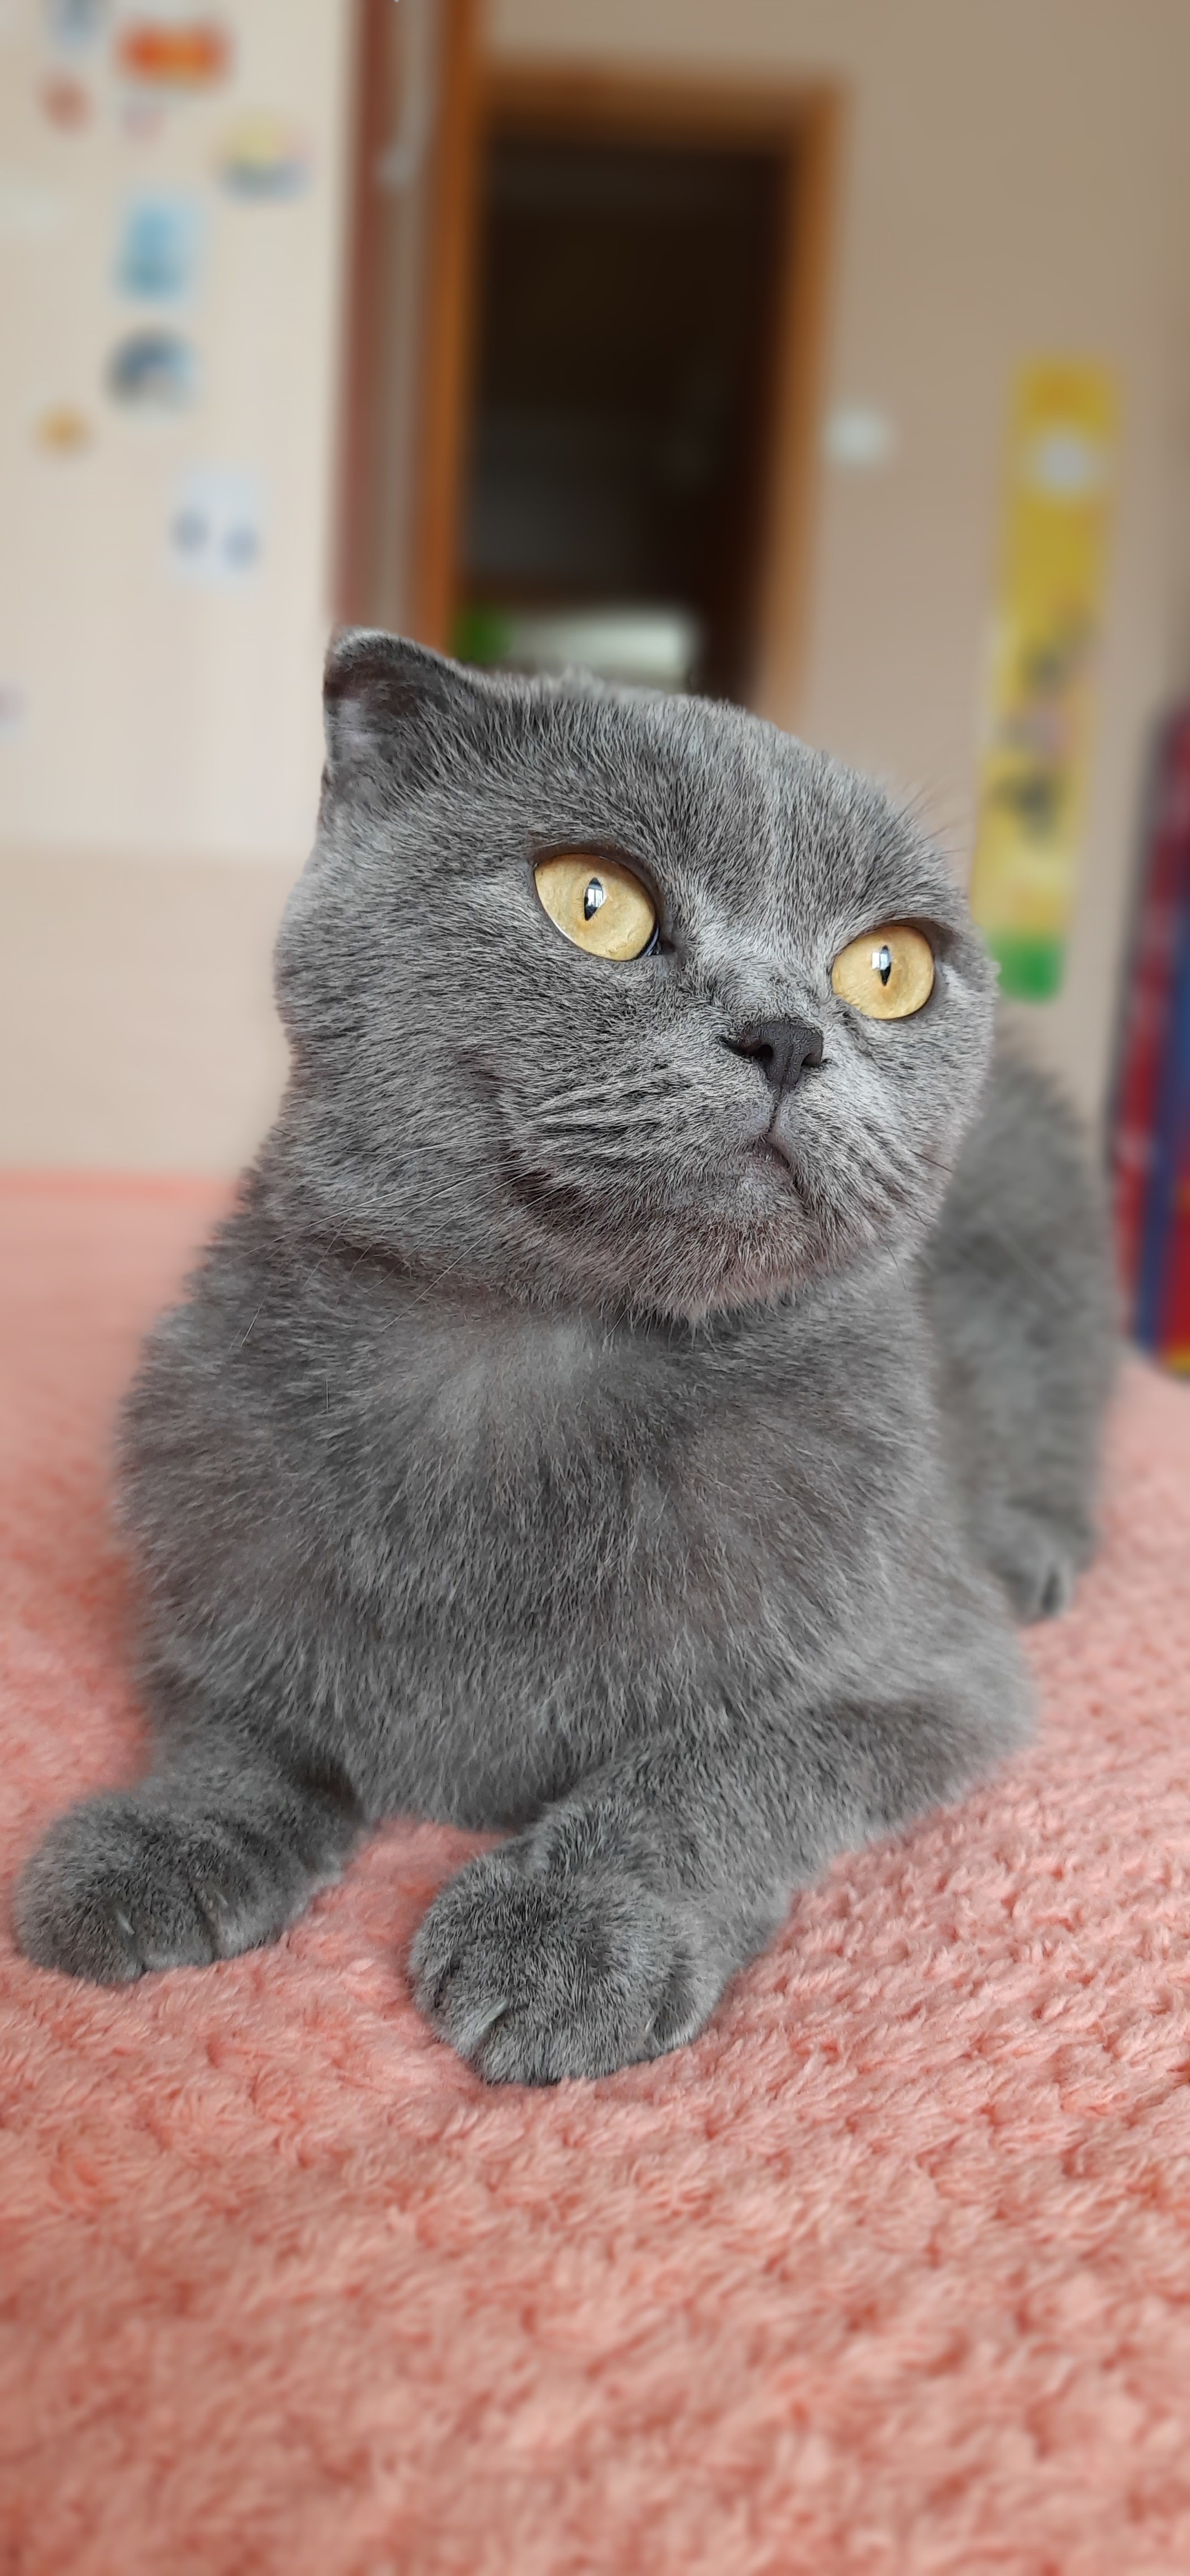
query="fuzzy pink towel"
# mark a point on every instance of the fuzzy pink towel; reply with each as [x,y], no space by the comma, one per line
[890,2272]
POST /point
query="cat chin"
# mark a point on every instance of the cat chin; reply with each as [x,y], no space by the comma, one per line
[683,1276]
[745,1263]
[747,1290]
[762,1233]
[734,1268]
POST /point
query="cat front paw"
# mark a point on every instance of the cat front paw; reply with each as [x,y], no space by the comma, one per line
[1038,1559]
[121,1885]
[532,1977]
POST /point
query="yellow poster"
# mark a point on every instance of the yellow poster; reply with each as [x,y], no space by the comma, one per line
[1049,613]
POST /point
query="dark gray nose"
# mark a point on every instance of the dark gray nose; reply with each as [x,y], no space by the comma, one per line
[782,1048]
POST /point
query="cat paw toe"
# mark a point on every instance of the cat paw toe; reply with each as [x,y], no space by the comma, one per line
[1038,1561]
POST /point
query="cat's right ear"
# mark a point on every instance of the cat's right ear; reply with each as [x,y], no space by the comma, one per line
[393,706]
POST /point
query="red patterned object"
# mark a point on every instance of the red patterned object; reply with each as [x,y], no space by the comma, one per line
[1147,1034]
[190,55]
[1175,1341]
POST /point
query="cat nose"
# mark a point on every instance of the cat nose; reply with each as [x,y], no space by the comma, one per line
[782,1049]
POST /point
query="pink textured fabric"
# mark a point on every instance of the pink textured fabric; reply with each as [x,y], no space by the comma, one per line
[890,2272]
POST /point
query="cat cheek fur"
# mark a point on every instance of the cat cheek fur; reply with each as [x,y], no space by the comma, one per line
[571,1430]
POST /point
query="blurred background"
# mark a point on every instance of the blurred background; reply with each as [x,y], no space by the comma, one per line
[830,355]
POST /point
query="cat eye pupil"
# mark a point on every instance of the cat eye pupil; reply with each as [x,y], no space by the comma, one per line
[594,896]
[882,962]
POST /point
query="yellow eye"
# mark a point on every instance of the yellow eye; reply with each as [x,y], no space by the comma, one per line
[887,974]
[597,903]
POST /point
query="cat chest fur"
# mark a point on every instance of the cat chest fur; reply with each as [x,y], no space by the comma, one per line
[497,1542]
[549,1482]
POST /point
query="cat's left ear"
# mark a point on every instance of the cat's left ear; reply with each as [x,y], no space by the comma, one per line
[394,705]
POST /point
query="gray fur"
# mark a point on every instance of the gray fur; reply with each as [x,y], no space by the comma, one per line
[558,1435]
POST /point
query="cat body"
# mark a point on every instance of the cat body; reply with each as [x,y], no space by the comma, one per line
[595,1420]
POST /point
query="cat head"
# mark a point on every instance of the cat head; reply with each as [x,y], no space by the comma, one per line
[589,993]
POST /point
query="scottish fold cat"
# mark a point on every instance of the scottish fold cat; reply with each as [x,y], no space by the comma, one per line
[648,1364]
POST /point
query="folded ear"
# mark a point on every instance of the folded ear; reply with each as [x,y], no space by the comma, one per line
[394,705]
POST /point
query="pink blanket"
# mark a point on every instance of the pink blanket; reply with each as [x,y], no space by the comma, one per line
[891,2272]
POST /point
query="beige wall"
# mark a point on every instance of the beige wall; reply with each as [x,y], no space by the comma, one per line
[1015,181]
[162,716]
[136,1022]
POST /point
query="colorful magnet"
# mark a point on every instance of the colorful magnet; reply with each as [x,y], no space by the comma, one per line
[167,53]
[63,430]
[75,26]
[153,371]
[262,158]
[159,243]
[216,529]
[66,102]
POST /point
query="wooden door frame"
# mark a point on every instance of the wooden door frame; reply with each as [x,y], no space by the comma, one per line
[800,121]
[443,323]
[359,427]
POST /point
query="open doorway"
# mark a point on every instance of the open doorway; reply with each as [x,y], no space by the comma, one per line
[612,471]
[621,287]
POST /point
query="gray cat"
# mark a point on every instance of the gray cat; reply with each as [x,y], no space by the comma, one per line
[597,1418]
